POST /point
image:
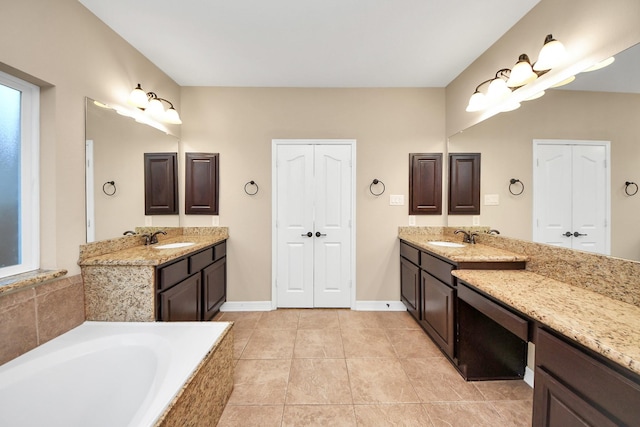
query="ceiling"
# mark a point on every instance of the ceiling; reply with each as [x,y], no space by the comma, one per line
[311,43]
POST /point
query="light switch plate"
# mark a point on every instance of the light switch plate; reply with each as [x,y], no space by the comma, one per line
[396,200]
[148,221]
[491,199]
[412,220]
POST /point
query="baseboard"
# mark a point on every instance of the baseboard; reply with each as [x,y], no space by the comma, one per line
[379,306]
[528,376]
[246,306]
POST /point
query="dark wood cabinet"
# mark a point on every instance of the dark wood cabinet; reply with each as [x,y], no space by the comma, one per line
[464,184]
[425,184]
[410,286]
[182,302]
[201,183]
[160,183]
[576,387]
[438,315]
[192,287]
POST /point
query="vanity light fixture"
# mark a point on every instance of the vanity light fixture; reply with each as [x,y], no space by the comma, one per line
[523,72]
[152,104]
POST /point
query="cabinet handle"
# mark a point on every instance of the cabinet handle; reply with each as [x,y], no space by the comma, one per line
[576,234]
[309,234]
[318,234]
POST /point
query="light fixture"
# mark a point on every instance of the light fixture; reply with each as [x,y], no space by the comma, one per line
[521,73]
[152,104]
[565,81]
[551,54]
[535,96]
[600,64]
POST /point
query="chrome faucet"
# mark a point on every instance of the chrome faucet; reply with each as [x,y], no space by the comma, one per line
[468,237]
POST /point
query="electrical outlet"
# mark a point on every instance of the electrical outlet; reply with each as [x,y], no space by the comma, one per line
[412,220]
[215,221]
[396,200]
[476,220]
[148,221]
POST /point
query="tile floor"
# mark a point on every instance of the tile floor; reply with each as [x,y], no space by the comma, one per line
[326,367]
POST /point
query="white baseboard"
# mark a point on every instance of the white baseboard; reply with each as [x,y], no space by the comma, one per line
[528,376]
[379,306]
[246,306]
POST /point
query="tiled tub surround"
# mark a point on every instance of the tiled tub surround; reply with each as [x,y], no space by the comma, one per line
[119,274]
[33,315]
[176,374]
[602,324]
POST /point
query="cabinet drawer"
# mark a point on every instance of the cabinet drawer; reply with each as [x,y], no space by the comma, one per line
[508,320]
[436,267]
[200,260]
[410,253]
[172,274]
[597,383]
[219,251]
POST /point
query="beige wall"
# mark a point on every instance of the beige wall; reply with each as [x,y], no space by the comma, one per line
[63,47]
[388,124]
[591,30]
[505,142]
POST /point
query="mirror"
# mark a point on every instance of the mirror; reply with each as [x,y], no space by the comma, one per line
[115,154]
[600,105]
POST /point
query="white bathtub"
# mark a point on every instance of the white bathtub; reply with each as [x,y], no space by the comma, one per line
[104,374]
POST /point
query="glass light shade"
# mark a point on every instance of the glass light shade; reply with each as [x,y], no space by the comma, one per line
[600,65]
[536,96]
[510,106]
[565,81]
[522,73]
[172,116]
[138,97]
[498,90]
[155,109]
[477,102]
[551,55]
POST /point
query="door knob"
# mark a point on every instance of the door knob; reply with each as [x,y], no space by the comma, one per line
[309,234]
[318,234]
[567,234]
[576,234]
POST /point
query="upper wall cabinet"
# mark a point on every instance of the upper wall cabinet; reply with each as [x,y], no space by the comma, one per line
[201,183]
[425,183]
[464,183]
[160,183]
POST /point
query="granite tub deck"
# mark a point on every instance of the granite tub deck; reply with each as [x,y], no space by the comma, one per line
[605,325]
[119,274]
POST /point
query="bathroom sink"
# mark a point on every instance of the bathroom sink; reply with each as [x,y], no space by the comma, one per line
[447,244]
[173,245]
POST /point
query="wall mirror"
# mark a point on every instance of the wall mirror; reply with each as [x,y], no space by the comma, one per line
[600,105]
[115,171]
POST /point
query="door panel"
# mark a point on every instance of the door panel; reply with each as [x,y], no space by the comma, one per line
[589,198]
[295,219]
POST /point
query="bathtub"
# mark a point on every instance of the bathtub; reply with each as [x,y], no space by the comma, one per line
[105,374]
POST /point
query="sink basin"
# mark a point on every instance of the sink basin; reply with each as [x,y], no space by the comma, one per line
[447,244]
[173,245]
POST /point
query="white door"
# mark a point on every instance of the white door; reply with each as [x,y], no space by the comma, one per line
[571,196]
[313,211]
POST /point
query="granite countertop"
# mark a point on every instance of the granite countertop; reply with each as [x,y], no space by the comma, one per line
[605,325]
[149,255]
[468,253]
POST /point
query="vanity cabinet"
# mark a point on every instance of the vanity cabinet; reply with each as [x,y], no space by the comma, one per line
[410,279]
[575,387]
[192,287]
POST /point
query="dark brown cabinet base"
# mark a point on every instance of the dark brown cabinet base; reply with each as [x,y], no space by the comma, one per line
[192,287]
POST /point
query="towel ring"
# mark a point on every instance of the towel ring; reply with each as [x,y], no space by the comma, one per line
[104,188]
[515,181]
[627,184]
[376,182]
[251,183]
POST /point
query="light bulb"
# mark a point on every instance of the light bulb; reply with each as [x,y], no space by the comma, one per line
[551,54]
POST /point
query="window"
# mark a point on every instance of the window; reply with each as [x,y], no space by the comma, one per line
[19,177]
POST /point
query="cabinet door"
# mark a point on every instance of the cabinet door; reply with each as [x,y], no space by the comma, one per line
[557,406]
[181,302]
[425,184]
[201,184]
[214,280]
[410,286]
[464,184]
[160,183]
[438,312]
